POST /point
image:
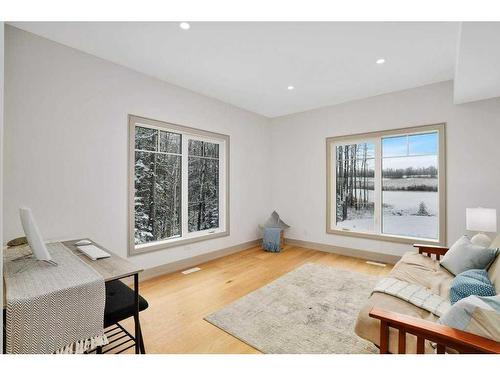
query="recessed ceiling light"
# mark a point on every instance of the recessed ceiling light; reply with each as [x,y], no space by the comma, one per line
[380,61]
[290,88]
[184,25]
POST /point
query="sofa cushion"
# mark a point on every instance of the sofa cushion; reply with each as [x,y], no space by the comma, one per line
[464,255]
[416,269]
[369,328]
[419,269]
[471,283]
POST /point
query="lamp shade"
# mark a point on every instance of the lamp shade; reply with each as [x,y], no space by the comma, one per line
[481,219]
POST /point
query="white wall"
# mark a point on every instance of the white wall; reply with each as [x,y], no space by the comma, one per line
[66,149]
[66,146]
[1,169]
[299,157]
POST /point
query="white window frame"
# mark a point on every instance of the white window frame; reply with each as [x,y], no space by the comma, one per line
[187,134]
[376,139]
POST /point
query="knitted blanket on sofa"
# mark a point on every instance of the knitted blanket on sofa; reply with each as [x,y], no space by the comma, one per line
[414,294]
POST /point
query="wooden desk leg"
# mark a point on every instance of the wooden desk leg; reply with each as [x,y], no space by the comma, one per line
[137,334]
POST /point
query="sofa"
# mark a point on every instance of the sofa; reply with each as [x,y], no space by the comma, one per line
[393,324]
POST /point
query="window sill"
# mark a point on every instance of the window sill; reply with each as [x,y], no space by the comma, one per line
[174,242]
[386,237]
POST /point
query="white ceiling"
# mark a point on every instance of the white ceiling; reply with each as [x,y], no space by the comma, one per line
[250,64]
[477,74]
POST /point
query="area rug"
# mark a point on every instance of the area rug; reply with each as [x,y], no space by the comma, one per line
[311,309]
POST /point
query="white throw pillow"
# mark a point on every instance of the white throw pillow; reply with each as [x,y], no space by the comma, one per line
[477,315]
[464,255]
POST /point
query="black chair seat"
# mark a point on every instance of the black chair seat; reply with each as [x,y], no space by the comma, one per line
[120,303]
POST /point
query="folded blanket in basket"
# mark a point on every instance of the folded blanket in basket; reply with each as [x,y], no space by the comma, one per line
[271,239]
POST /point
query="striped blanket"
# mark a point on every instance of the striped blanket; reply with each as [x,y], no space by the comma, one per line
[53,309]
[414,294]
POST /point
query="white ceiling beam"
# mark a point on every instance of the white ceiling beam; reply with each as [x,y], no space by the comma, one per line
[477,73]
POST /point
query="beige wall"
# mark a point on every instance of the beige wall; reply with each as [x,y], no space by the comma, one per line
[299,170]
[66,144]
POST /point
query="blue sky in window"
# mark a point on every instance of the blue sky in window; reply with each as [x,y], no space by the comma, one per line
[423,144]
[394,146]
[417,144]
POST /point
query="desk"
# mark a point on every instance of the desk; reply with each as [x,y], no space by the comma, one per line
[112,268]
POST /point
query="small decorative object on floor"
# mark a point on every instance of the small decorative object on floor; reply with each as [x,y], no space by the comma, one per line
[274,221]
[273,238]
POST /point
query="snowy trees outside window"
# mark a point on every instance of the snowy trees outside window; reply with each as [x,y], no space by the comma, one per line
[387,184]
[157,185]
[355,173]
[203,196]
[179,183]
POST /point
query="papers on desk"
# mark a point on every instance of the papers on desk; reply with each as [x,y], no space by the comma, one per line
[93,252]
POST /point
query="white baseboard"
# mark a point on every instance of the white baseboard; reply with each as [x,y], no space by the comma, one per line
[203,258]
[196,260]
[356,253]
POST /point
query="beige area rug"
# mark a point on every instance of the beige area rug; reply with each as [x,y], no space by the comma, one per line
[311,309]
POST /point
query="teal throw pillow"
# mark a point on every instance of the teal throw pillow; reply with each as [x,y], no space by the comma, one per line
[471,283]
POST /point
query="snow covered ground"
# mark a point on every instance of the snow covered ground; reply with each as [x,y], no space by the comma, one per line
[410,200]
[400,208]
[410,226]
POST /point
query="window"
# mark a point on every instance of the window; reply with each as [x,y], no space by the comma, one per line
[388,185]
[178,185]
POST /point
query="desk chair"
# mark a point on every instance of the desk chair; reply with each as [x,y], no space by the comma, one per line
[120,306]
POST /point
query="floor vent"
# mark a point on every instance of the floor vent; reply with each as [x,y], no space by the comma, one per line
[378,264]
[191,270]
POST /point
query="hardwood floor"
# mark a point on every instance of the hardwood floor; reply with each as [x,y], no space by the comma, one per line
[174,323]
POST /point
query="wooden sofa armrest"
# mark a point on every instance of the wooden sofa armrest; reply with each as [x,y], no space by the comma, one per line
[443,336]
[428,250]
